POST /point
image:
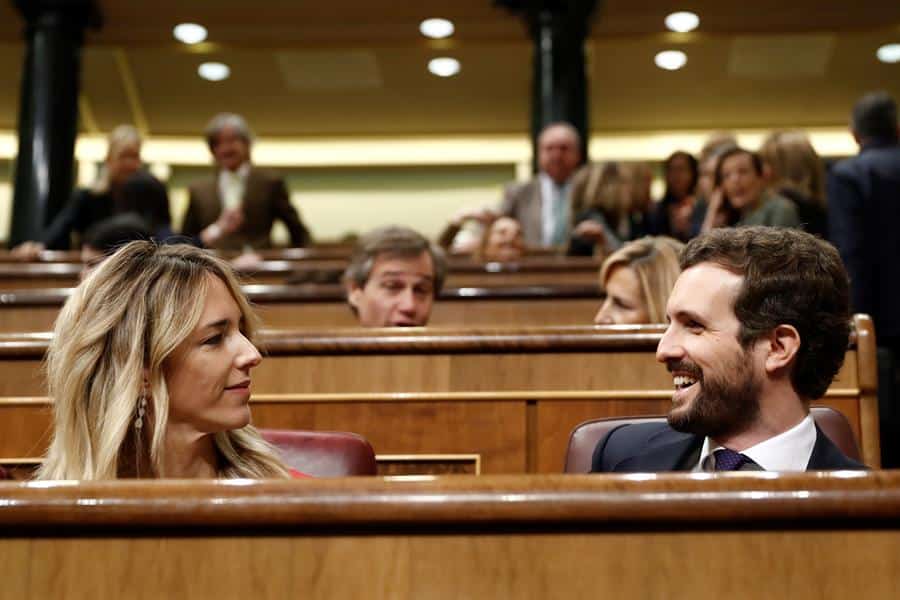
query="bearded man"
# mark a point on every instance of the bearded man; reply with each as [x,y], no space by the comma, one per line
[759,323]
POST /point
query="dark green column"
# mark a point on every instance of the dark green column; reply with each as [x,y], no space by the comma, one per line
[48,110]
[558,29]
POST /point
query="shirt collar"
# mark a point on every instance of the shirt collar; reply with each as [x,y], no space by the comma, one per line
[242,171]
[787,451]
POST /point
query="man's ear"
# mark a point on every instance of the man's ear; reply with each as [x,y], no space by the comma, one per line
[784,344]
[354,294]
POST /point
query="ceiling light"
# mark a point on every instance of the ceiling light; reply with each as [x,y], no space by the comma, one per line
[682,21]
[670,60]
[189,33]
[214,71]
[436,28]
[889,53]
[444,66]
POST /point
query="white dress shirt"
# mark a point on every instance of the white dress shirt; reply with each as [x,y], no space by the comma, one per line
[788,451]
[232,185]
[555,206]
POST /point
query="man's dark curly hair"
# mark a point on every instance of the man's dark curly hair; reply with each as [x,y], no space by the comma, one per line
[790,278]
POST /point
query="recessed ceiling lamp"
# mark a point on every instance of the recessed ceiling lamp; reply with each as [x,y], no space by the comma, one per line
[682,21]
[889,53]
[436,28]
[189,33]
[670,60]
[214,71]
[443,66]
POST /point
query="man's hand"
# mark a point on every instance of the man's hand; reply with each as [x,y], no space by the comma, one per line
[590,230]
[28,251]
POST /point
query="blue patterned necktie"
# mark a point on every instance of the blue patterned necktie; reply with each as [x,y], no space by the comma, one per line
[729,460]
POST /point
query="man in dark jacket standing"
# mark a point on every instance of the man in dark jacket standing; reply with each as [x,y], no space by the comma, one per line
[864,215]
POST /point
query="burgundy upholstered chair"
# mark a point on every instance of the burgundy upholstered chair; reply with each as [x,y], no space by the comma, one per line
[587,435]
[323,453]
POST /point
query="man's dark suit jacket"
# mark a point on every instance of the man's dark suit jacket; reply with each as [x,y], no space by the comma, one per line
[265,200]
[863,219]
[656,447]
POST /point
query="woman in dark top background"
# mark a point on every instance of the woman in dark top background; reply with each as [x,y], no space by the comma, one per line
[672,216]
[122,188]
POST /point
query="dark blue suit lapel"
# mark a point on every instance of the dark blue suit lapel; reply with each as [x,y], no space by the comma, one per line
[667,451]
[826,456]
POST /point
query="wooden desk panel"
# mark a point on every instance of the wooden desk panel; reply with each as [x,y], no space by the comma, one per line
[673,536]
[494,431]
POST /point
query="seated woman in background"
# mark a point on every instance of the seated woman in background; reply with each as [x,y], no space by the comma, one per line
[741,197]
[149,369]
[672,215]
[502,242]
[638,279]
[495,239]
[601,199]
[123,187]
[797,173]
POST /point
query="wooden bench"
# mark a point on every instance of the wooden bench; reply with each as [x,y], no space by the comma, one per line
[461,272]
[324,306]
[489,401]
[821,535]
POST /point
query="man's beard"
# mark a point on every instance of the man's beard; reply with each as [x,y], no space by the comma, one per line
[723,406]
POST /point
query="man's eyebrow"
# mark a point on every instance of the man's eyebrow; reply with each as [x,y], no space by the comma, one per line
[689,315]
[402,273]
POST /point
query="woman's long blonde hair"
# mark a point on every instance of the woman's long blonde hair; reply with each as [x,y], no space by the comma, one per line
[601,186]
[655,262]
[114,334]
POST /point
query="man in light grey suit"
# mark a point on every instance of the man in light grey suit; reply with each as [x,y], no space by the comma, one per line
[542,205]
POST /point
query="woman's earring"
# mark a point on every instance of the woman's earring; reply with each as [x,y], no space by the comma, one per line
[141,410]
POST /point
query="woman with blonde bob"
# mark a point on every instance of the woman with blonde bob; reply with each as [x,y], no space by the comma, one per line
[638,279]
[149,369]
[122,187]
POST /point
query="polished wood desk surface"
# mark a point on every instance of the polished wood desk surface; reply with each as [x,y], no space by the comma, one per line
[741,535]
[600,502]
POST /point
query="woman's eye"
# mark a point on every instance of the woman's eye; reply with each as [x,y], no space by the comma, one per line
[213,341]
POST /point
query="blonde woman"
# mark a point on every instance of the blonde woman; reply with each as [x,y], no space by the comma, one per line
[796,172]
[149,369]
[121,188]
[601,200]
[638,279]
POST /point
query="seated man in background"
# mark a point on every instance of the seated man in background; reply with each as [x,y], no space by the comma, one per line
[394,276]
[543,204]
[235,209]
[759,325]
[103,239]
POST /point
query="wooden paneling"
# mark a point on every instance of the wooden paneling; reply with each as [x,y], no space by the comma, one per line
[493,430]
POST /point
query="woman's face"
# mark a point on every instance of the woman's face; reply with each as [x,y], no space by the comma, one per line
[624,303]
[741,184]
[208,374]
[123,162]
[504,241]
